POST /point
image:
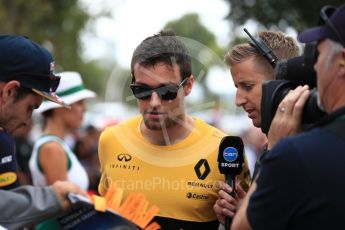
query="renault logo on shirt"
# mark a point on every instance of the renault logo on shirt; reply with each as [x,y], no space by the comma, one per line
[124,157]
[202,169]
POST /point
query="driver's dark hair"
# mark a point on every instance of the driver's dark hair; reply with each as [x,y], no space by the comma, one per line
[163,47]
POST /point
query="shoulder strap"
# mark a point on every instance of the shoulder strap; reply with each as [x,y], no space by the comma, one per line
[48,138]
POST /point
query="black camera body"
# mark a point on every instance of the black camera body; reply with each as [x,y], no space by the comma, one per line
[291,73]
[273,92]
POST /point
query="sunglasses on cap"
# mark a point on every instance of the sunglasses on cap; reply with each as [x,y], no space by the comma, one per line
[54,82]
[325,13]
[165,92]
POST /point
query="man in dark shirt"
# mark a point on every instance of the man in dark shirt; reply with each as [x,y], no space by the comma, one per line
[26,77]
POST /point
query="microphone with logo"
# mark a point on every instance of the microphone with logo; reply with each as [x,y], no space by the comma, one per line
[230,163]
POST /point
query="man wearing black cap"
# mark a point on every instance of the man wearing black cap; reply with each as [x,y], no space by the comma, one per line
[26,76]
[302,180]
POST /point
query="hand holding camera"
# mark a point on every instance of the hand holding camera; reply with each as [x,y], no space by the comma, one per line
[287,120]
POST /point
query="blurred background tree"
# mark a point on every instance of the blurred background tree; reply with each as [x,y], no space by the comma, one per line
[280,13]
[62,26]
[57,25]
[205,54]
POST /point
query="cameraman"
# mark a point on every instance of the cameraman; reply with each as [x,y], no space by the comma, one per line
[301,182]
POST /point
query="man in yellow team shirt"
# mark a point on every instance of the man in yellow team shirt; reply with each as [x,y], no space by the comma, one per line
[164,153]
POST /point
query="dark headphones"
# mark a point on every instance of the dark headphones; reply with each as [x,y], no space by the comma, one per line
[263,49]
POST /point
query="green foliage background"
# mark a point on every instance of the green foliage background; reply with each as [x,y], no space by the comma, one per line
[57,25]
[278,13]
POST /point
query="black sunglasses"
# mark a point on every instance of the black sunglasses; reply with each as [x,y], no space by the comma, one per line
[165,92]
[54,82]
[325,13]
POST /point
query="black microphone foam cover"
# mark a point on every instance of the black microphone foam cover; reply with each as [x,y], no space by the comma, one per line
[295,70]
[230,155]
